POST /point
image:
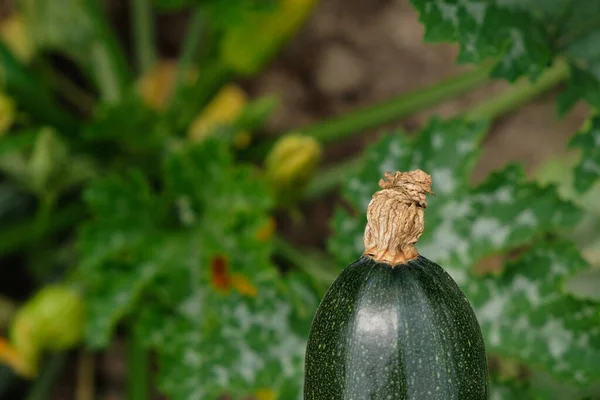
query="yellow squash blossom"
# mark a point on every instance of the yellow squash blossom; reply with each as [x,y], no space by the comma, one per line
[246,47]
[14,33]
[224,109]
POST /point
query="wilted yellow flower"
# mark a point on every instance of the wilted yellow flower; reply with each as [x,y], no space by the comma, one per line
[14,33]
[291,163]
[156,85]
[7,113]
[224,108]
[247,46]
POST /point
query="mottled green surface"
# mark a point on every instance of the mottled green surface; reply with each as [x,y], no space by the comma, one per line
[406,332]
[524,36]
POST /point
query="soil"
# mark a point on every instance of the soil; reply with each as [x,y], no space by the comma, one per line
[350,54]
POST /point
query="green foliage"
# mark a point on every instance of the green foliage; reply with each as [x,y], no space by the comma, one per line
[588,171]
[173,239]
[523,312]
[167,255]
[525,37]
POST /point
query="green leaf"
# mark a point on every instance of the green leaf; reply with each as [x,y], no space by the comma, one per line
[128,126]
[485,29]
[525,37]
[118,258]
[463,224]
[215,310]
[588,171]
[235,344]
[79,29]
[525,314]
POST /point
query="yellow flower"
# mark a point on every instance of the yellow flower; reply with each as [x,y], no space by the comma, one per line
[266,394]
[14,33]
[248,46]
[290,164]
[7,113]
[156,85]
[224,109]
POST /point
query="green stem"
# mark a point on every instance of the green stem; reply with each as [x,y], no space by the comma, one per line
[314,263]
[185,107]
[43,384]
[329,178]
[509,100]
[190,50]
[397,108]
[77,97]
[17,236]
[85,376]
[42,216]
[143,34]
[139,366]
[32,95]
[518,94]
[389,110]
[107,62]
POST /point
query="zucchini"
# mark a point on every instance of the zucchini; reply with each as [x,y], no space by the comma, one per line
[394,325]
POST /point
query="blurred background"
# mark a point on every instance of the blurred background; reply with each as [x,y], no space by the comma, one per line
[346,55]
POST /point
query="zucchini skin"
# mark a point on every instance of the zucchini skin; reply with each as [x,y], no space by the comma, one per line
[401,333]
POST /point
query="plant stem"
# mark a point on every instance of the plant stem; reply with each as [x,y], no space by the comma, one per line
[138,364]
[510,99]
[77,97]
[190,50]
[329,178]
[107,62]
[32,95]
[43,384]
[85,376]
[389,110]
[143,34]
[17,236]
[518,94]
[314,263]
[397,108]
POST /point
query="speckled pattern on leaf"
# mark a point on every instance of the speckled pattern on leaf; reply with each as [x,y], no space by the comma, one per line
[587,173]
[155,248]
[463,224]
[526,36]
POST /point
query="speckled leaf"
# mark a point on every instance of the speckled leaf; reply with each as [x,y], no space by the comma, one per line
[525,36]
[525,314]
[232,344]
[192,251]
[587,172]
[484,29]
[463,224]
[112,249]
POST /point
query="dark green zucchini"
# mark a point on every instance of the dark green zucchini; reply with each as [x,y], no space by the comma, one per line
[389,330]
